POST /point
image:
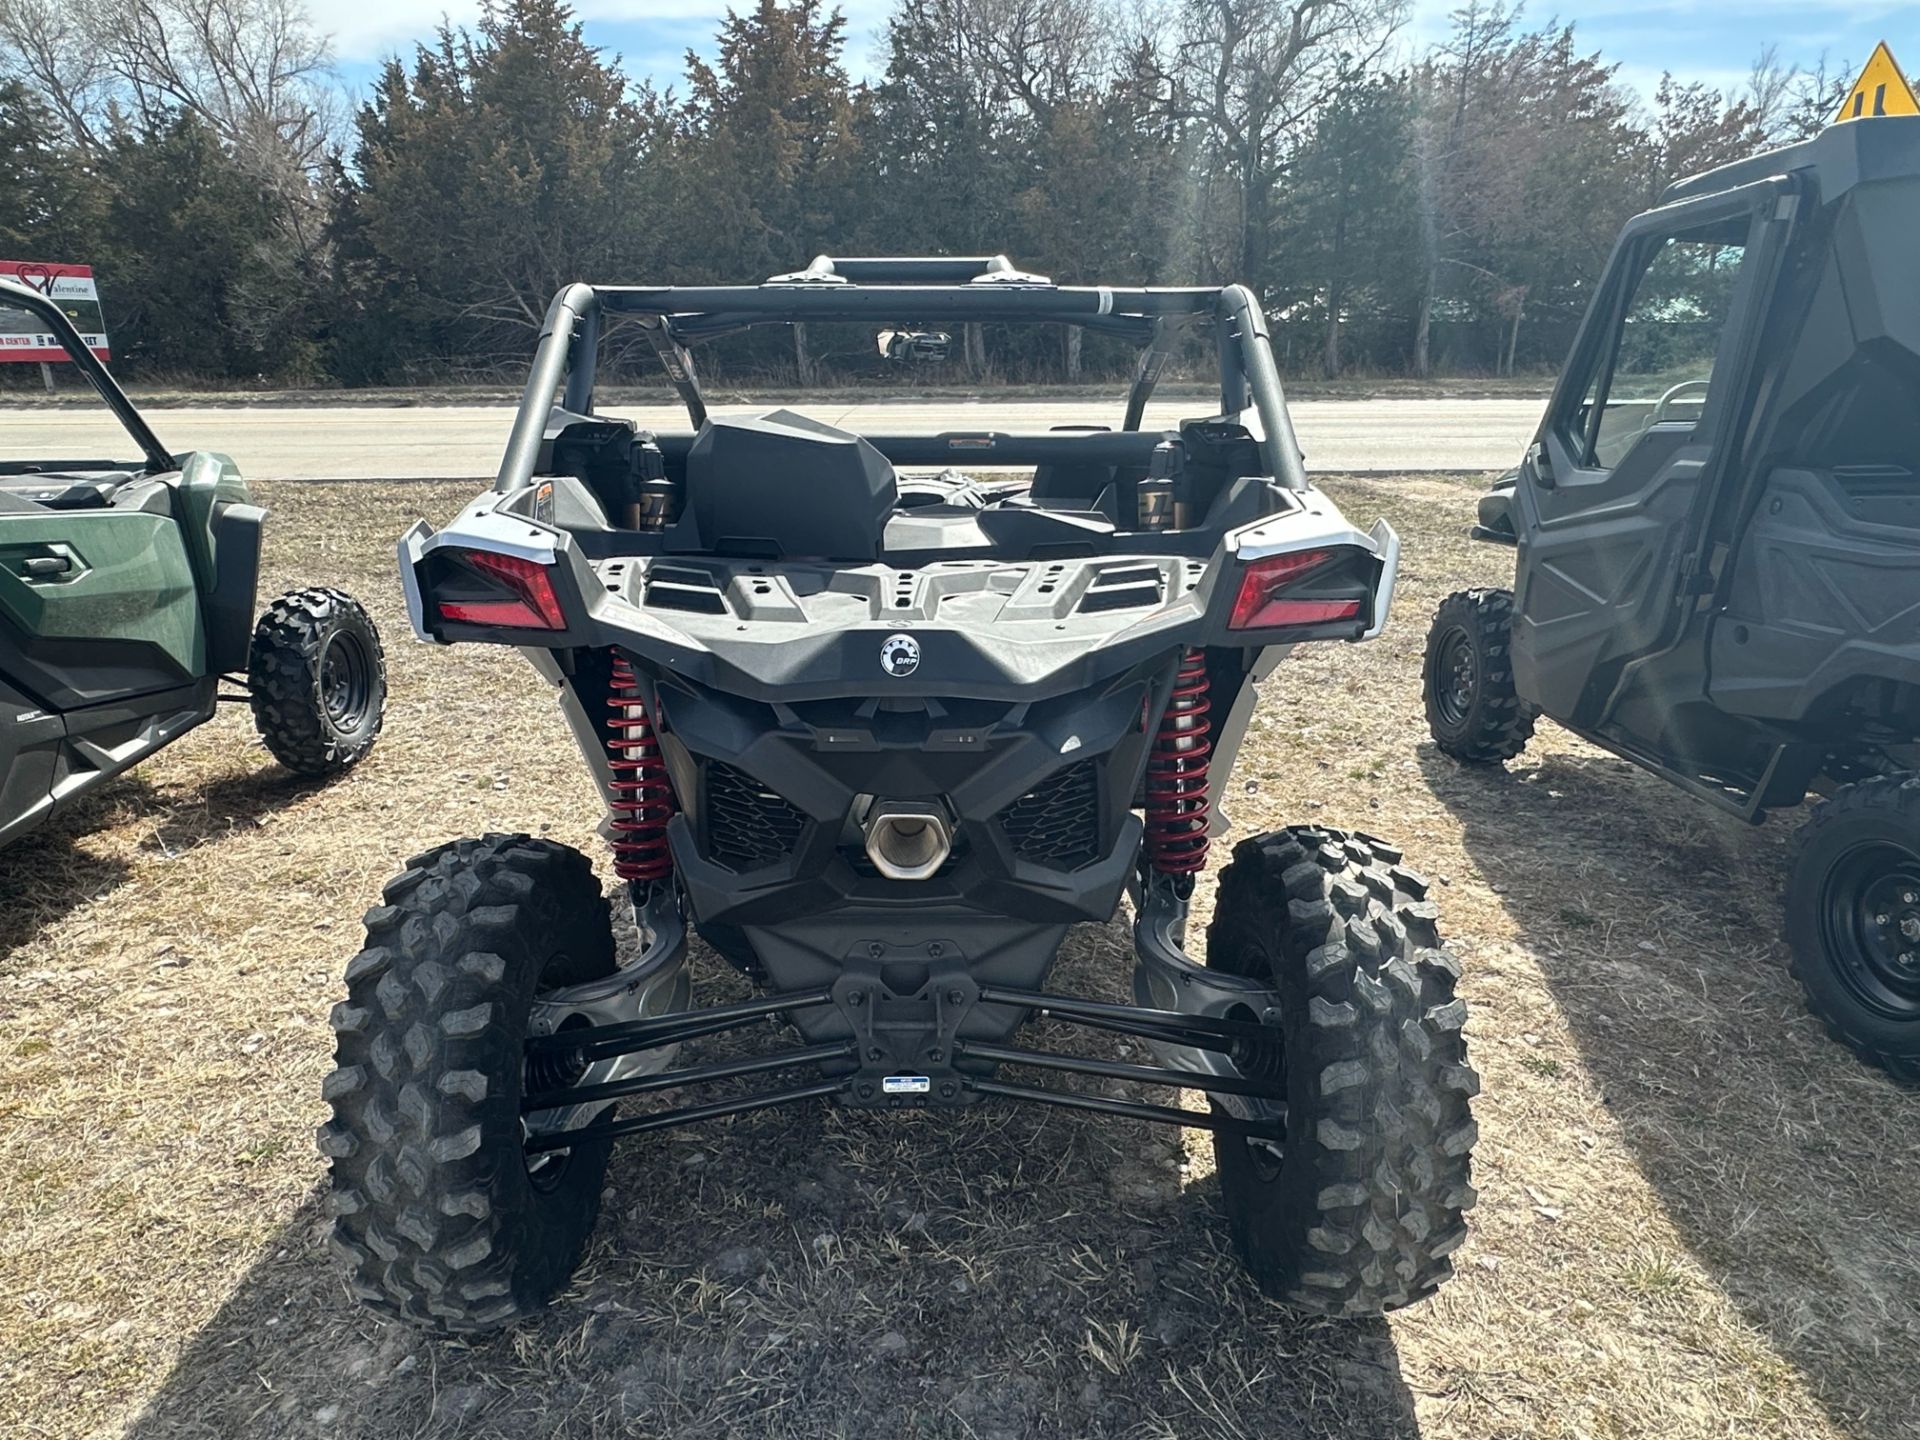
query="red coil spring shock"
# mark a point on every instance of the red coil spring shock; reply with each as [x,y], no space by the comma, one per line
[1178,806]
[641,800]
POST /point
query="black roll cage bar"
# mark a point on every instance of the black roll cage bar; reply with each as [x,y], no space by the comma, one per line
[25,297]
[953,288]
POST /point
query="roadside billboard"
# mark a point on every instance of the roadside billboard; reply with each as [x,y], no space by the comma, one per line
[21,335]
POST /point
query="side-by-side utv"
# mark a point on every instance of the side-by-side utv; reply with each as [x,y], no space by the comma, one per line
[882,738]
[126,597]
[1717,537]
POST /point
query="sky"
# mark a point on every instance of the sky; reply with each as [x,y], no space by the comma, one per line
[1710,40]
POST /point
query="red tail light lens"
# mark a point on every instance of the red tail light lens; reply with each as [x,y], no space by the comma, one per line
[1260,605]
[535,606]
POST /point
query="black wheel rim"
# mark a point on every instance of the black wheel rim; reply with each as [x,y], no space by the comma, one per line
[1870,924]
[345,682]
[1455,676]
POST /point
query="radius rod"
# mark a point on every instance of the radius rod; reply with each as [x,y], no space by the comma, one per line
[1118,1070]
[1208,1032]
[600,1042]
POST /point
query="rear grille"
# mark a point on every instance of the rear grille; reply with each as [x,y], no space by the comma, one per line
[747,825]
[1057,823]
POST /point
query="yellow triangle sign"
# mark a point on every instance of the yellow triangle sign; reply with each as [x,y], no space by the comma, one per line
[1880,90]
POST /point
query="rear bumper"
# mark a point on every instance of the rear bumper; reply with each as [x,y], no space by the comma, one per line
[796,631]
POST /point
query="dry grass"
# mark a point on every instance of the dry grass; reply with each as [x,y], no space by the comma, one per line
[1696,1214]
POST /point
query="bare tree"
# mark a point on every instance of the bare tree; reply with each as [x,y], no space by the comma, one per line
[1794,102]
[1252,73]
[255,72]
[1045,53]
[49,46]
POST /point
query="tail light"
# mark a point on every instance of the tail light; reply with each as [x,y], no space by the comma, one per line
[1262,603]
[523,596]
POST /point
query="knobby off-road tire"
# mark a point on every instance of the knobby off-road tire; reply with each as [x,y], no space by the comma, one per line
[1853,920]
[1472,709]
[1363,1205]
[439,1218]
[319,681]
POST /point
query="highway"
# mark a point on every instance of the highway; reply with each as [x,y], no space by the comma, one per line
[275,442]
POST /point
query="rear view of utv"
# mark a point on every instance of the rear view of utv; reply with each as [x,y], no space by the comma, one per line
[881,741]
[1718,545]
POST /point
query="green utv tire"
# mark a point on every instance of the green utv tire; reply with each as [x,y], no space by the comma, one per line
[319,681]
[441,1217]
[1472,710]
[1364,1203]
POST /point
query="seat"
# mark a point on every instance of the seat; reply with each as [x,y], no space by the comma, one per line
[782,485]
[63,491]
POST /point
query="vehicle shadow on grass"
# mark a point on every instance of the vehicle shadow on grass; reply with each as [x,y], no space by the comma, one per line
[1788,1168]
[226,803]
[1003,1272]
[50,873]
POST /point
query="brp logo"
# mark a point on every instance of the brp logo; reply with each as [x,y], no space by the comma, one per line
[900,656]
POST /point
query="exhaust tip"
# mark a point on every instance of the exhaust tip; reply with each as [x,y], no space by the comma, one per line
[907,841]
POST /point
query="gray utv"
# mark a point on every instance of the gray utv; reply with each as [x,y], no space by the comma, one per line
[881,740]
[1717,535]
[127,599]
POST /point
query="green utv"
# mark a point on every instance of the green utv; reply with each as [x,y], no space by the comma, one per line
[127,595]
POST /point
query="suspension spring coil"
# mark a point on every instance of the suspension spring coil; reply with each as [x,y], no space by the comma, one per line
[641,799]
[1178,805]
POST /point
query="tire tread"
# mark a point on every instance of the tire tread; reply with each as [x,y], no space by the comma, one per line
[1500,723]
[1375,1177]
[424,1140]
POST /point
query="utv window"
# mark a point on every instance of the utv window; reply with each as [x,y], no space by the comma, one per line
[1659,369]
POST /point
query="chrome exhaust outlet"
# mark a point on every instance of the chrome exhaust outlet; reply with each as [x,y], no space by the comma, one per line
[907,840]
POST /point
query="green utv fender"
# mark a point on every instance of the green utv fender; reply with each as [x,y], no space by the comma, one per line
[221,526]
[208,482]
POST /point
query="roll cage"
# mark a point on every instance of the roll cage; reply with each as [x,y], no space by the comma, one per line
[959,289]
[25,297]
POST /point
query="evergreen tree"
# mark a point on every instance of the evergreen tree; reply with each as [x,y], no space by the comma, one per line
[510,161]
[1350,241]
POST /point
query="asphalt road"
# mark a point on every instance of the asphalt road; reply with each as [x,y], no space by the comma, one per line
[459,441]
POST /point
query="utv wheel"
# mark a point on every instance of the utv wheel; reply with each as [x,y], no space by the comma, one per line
[319,681]
[442,1217]
[1358,1210]
[1853,920]
[1471,706]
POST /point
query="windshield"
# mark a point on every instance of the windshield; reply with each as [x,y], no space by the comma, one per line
[68,426]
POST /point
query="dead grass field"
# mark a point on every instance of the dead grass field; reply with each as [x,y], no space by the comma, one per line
[1696,1215]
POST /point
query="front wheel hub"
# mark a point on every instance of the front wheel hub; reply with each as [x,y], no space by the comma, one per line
[1456,676]
[1870,918]
[345,681]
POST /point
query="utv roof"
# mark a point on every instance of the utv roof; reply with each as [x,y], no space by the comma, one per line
[1842,155]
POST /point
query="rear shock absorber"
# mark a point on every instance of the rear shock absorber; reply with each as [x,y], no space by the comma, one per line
[641,799]
[1178,805]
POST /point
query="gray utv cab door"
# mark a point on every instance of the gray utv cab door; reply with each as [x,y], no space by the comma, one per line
[1612,493]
